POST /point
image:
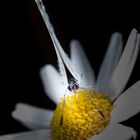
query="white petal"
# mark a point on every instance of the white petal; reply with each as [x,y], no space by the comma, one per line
[127,105]
[81,64]
[126,64]
[110,61]
[31,135]
[32,117]
[52,82]
[115,132]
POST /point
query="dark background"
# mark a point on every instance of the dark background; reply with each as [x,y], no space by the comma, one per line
[26,47]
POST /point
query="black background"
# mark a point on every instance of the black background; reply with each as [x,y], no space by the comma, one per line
[26,47]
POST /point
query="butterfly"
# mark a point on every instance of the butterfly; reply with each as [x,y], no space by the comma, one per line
[77,80]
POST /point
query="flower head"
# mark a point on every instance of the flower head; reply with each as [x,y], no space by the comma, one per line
[82,116]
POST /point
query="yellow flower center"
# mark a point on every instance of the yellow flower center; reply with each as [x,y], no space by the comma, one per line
[81,115]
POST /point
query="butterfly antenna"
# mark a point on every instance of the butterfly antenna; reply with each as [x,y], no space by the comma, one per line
[63,106]
[71,105]
[76,100]
[101,113]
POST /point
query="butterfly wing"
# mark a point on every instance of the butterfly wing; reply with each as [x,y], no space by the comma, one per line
[62,56]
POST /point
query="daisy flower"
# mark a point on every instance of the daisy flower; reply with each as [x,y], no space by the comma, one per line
[87,109]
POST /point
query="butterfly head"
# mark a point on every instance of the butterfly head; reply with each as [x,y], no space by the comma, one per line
[73,86]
